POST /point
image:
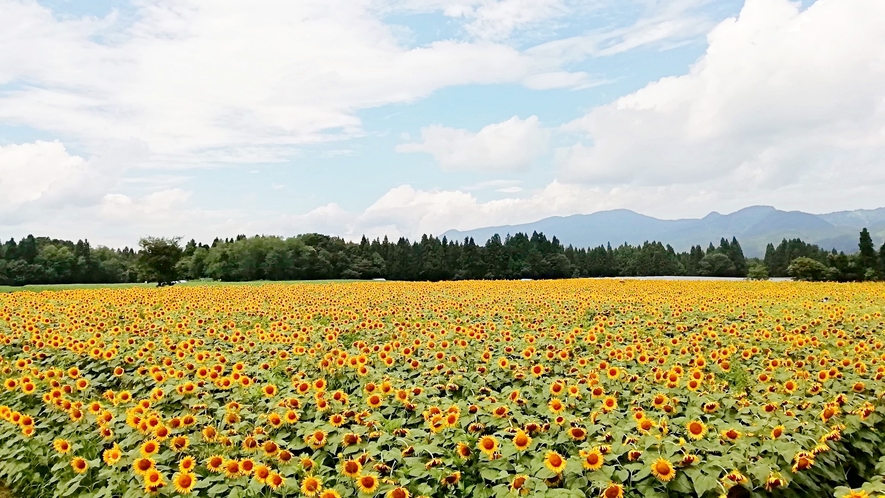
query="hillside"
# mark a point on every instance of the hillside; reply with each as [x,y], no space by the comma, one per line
[753,226]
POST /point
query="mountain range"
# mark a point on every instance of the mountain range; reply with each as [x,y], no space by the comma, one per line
[754,227]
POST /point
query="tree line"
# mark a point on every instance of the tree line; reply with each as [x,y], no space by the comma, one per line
[41,260]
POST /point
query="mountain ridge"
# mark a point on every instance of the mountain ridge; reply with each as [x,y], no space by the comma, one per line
[754,227]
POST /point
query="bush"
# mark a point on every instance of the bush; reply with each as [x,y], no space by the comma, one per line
[757,272]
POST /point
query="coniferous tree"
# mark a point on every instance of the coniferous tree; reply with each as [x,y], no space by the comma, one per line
[866,258]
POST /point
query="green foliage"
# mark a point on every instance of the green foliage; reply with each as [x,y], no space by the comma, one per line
[158,258]
[757,272]
[866,257]
[40,260]
[807,269]
[717,265]
[777,259]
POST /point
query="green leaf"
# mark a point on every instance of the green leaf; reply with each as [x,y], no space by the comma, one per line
[489,474]
[703,483]
[545,473]
[681,484]
[218,489]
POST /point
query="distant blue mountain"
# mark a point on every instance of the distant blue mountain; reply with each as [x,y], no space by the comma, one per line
[754,227]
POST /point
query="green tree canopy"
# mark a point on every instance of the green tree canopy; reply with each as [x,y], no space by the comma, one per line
[807,269]
[866,258]
[159,258]
[757,272]
[717,264]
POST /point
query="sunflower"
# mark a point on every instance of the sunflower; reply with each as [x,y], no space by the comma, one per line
[609,403]
[777,432]
[463,450]
[774,481]
[731,434]
[184,482]
[856,493]
[149,448]
[488,445]
[696,429]
[398,492]
[261,473]
[270,448]
[555,405]
[336,420]
[187,464]
[330,493]
[247,466]
[141,465]
[351,468]
[555,462]
[519,482]
[374,400]
[232,469]
[613,490]
[153,480]
[521,440]
[79,465]
[62,446]
[802,461]
[592,459]
[645,425]
[317,440]
[112,455]
[275,481]
[577,433]
[311,485]
[663,470]
[367,484]
[179,443]
[451,479]
[557,388]
[214,463]
[734,478]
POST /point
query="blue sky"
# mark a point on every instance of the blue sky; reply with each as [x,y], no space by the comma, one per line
[402,117]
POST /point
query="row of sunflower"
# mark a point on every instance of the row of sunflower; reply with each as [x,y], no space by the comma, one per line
[567,388]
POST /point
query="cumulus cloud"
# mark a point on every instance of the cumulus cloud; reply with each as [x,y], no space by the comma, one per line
[163,202]
[229,82]
[511,145]
[29,171]
[782,96]
[42,175]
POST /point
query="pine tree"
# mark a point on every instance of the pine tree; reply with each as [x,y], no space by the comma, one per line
[866,259]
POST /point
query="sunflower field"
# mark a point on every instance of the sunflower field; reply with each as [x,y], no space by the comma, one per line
[574,388]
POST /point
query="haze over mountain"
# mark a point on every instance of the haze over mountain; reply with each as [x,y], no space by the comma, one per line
[753,226]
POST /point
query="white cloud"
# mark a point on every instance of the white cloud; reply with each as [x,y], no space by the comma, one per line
[511,145]
[157,206]
[219,82]
[781,97]
[663,25]
[42,175]
[490,184]
[410,212]
[499,19]
[494,19]
[509,190]
[29,171]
